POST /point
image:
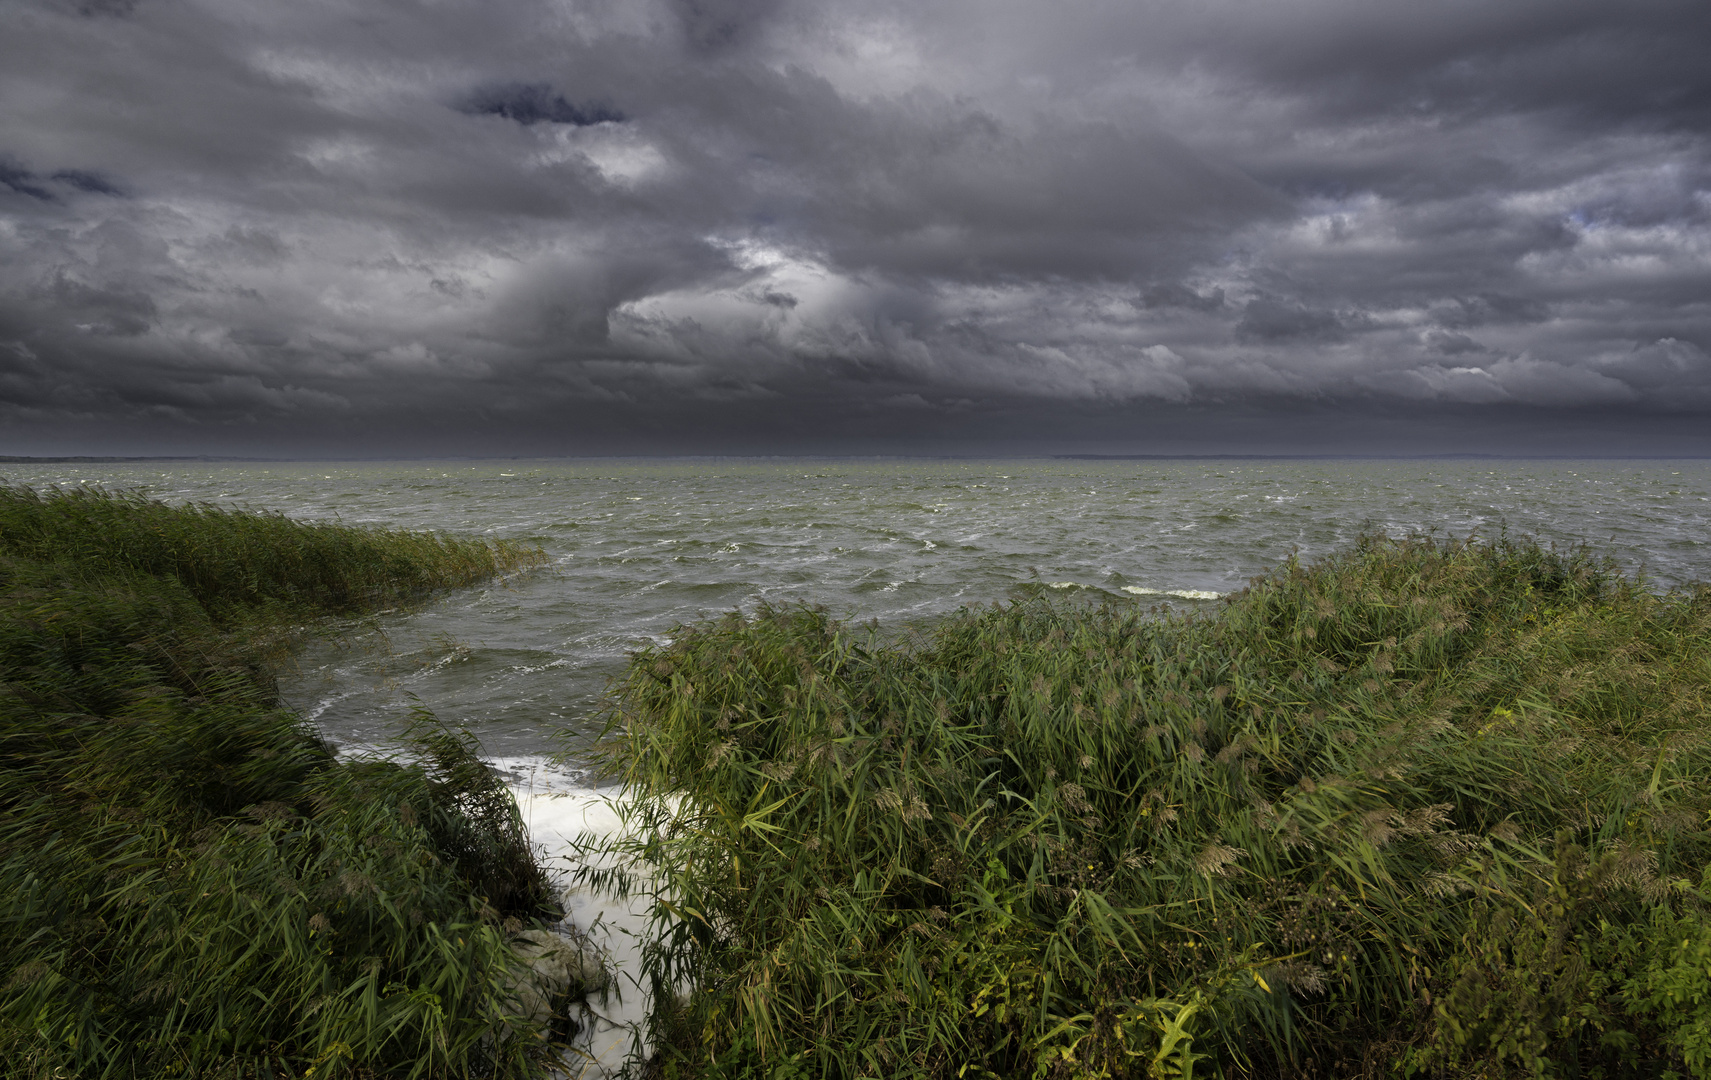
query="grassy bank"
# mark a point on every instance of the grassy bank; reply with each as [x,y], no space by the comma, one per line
[1422,808]
[190,884]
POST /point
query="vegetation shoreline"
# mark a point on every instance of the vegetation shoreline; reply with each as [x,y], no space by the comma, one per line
[1422,808]
[191,884]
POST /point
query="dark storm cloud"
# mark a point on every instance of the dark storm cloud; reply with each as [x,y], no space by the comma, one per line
[23,182]
[715,25]
[569,226]
[535,103]
[86,181]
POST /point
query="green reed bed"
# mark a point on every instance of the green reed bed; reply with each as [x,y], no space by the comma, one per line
[234,561]
[190,883]
[1422,808]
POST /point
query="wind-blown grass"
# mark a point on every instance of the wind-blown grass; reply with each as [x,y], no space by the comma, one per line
[236,561]
[190,883]
[1422,808]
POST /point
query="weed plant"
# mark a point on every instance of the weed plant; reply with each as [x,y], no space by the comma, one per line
[1422,808]
[190,883]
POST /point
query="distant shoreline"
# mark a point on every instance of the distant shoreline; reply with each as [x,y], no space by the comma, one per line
[17,459]
[1381,457]
[212,459]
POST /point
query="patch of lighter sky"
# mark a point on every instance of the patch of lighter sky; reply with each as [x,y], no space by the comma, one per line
[1469,385]
[1586,265]
[1594,180]
[818,291]
[1398,320]
[1115,309]
[1359,224]
[873,57]
[338,155]
[748,253]
[590,20]
[1406,318]
[829,319]
[360,271]
[624,156]
[688,325]
[353,88]
[1669,241]
[864,59]
[1345,139]
[367,293]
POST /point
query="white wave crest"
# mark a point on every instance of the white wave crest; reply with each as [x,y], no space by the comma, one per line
[1185,594]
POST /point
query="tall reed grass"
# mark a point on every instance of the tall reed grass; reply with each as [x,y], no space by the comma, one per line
[235,561]
[1422,808]
[190,883]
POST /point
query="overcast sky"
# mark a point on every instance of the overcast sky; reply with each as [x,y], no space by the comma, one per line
[592,226]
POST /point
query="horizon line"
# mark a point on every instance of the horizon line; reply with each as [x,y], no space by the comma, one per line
[130,459]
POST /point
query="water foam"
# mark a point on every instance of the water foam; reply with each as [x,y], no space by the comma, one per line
[1184,594]
[557,817]
[1139,590]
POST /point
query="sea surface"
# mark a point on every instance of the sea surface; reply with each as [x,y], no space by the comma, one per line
[637,547]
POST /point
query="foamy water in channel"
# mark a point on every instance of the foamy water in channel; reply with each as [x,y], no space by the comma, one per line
[639,546]
[556,818]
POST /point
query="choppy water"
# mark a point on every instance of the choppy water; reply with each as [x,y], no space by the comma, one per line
[637,546]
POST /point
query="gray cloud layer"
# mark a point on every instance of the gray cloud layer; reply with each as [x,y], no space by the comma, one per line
[692,224]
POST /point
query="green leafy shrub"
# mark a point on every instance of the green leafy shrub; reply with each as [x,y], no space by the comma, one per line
[1672,987]
[1535,982]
